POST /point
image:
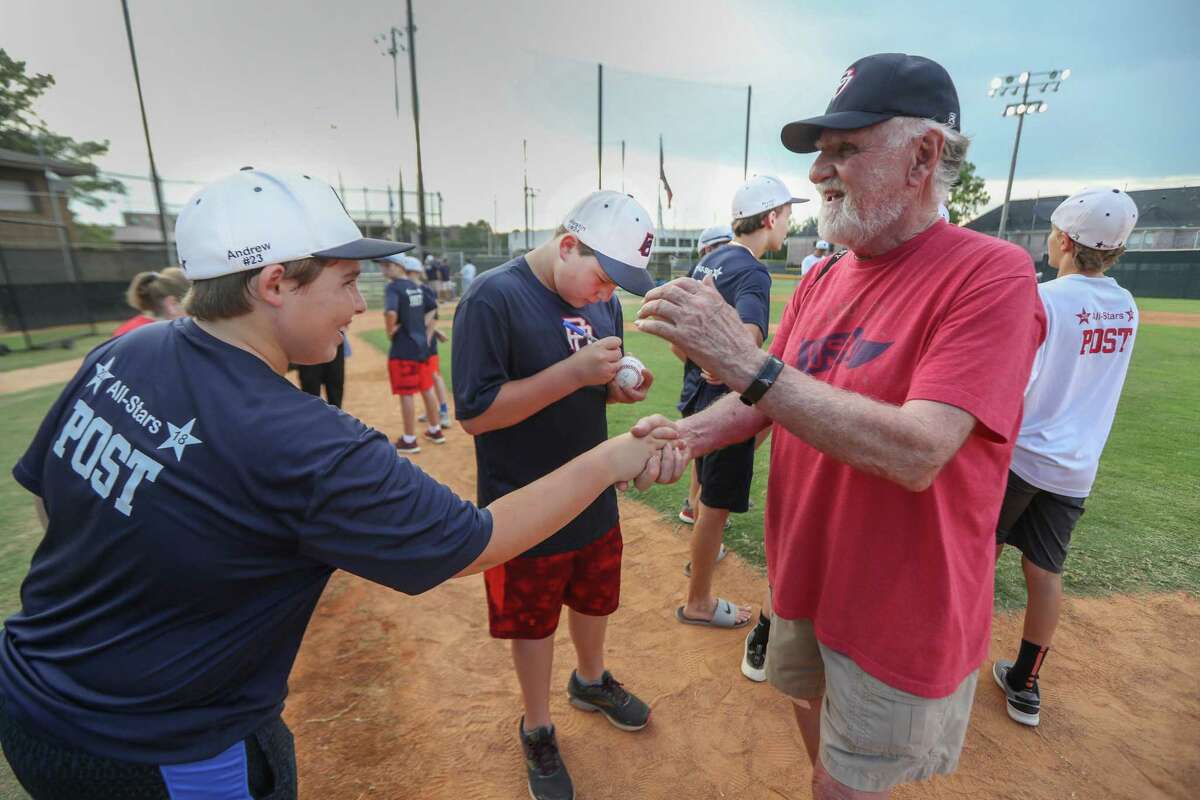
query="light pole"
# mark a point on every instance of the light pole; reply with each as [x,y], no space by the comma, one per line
[137,80]
[1021,84]
[396,34]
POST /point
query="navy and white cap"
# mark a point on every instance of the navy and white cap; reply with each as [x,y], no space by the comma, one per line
[257,217]
[714,235]
[761,193]
[618,230]
[878,88]
[1097,217]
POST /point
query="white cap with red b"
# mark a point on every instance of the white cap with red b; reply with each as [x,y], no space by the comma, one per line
[620,232]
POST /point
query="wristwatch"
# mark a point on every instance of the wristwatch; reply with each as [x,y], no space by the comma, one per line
[764,380]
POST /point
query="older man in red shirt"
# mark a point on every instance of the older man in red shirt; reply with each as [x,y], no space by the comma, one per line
[894,388]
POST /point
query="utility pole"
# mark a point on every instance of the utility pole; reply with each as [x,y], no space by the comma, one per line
[412,67]
[137,79]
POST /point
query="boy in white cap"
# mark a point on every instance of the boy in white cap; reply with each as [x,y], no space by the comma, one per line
[536,347]
[820,250]
[1070,402]
[196,503]
[713,237]
[408,314]
[762,208]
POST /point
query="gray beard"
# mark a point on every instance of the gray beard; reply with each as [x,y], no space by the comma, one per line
[853,228]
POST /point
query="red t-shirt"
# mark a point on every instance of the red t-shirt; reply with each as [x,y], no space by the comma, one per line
[130,324]
[901,581]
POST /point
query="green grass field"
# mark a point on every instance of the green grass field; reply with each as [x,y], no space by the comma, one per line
[81,342]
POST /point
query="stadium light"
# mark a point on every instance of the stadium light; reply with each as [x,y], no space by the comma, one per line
[1047,80]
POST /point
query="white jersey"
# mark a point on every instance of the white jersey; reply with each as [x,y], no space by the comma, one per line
[1076,382]
[807,263]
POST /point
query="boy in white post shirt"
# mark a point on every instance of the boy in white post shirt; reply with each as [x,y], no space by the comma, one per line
[1070,402]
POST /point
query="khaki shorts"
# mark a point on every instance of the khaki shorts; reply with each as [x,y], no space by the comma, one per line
[872,735]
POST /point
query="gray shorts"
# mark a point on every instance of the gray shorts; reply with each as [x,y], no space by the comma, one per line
[1038,523]
[873,736]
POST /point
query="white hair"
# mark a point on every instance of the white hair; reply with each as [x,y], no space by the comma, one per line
[902,130]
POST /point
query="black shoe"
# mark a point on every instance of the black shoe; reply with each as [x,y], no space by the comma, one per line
[1024,706]
[754,657]
[609,697]
[544,767]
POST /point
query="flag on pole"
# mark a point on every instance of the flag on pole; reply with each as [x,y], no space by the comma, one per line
[662,174]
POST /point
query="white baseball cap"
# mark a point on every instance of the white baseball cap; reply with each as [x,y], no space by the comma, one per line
[412,264]
[1100,218]
[618,229]
[761,193]
[714,234]
[254,217]
[822,245]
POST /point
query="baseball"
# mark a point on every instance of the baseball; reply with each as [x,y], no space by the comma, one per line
[629,372]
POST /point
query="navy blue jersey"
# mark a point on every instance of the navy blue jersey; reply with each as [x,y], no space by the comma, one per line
[410,304]
[198,504]
[507,327]
[431,297]
[746,285]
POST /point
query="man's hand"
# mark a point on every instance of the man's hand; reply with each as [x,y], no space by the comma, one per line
[596,364]
[695,317]
[616,394]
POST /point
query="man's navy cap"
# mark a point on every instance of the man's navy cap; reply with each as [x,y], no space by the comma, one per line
[875,89]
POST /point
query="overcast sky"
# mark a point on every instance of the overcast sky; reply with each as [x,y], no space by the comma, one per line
[303,85]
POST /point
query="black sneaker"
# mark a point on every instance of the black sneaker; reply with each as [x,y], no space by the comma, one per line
[548,776]
[620,707]
[1024,706]
[754,657]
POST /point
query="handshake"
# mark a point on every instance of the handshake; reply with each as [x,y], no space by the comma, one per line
[655,450]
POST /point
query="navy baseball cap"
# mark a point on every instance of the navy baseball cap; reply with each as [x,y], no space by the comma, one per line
[875,89]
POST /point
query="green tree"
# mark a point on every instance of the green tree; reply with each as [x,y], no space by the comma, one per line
[967,195]
[23,130]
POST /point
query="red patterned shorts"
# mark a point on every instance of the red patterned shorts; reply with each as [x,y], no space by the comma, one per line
[526,595]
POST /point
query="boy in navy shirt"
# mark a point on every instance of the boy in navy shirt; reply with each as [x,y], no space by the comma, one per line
[536,346]
[196,504]
[762,208]
[408,313]
[432,363]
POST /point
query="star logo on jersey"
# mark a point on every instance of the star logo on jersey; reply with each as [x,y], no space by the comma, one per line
[1083,316]
[1129,314]
[179,438]
[103,373]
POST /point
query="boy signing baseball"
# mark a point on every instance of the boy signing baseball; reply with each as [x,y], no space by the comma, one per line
[196,503]
[536,347]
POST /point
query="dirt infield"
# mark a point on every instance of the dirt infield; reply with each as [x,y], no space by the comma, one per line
[399,697]
[20,380]
[1177,318]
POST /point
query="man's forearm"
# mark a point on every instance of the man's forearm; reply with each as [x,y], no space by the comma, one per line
[869,435]
[520,399]
[727,421]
